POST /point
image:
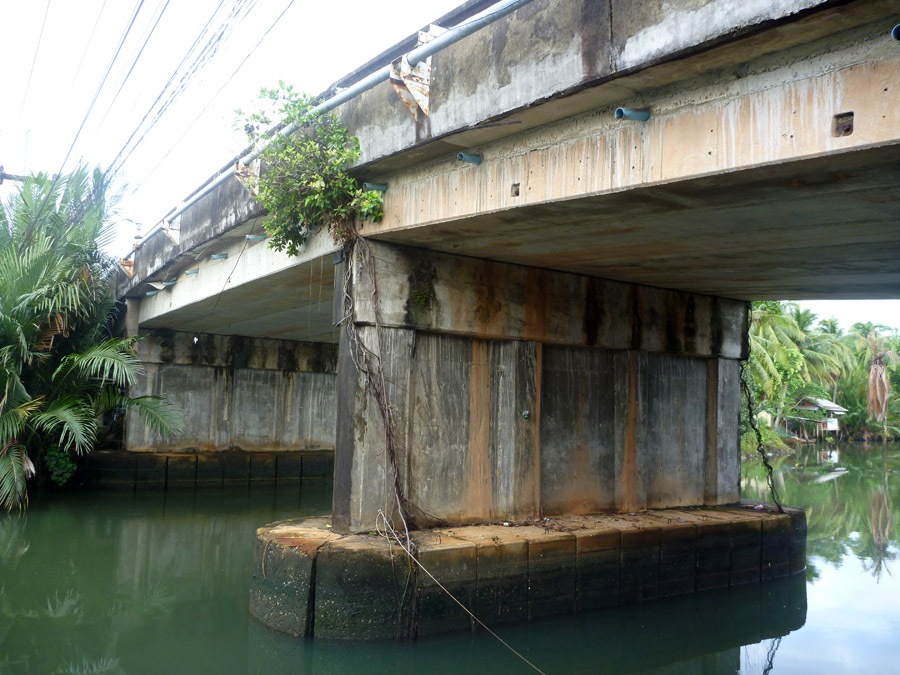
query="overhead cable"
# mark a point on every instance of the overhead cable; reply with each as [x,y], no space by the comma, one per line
[84,119]
[218,91]
[37,49]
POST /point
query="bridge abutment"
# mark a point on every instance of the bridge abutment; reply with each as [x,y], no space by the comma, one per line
[237,393]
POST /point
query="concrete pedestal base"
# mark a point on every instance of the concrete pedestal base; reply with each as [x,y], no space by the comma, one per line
[310,581]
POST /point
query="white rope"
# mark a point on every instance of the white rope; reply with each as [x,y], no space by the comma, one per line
[390,532]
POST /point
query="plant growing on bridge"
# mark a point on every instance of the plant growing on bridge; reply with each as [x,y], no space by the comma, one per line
[304,183]
[60,368]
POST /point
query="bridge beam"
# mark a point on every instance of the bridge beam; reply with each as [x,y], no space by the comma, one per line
[519,392]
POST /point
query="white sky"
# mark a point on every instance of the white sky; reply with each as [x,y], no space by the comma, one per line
[314,43]
[57,51]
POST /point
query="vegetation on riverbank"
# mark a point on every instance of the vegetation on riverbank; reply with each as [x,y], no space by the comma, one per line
[63,375]
[794,354]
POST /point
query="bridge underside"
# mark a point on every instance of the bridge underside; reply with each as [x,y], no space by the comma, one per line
[771,232]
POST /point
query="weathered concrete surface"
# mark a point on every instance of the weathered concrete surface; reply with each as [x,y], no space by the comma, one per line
[205,228]
[672,638]
[237,393]
[254,291]
[456,294]
[307,581]
[285,575]
[550,60]
[686,199]
[517,393]
[744,99]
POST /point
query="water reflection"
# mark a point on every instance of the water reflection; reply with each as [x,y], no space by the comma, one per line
[851,505]
[134,583]
[700,633]
[848,500]
[158,583]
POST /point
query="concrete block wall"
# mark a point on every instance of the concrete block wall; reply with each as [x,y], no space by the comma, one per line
[237,393]
[518,393]
[310,581]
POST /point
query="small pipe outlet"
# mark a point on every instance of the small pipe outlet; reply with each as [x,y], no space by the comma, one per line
[468,159]
[636,114]
[375,187]
[896,33]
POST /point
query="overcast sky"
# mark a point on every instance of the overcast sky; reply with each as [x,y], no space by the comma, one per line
[68,96]
[57,53]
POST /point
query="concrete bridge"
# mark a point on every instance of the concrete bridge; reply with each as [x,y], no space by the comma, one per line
[560,325]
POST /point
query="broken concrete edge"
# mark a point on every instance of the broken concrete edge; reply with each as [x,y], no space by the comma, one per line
[310,581]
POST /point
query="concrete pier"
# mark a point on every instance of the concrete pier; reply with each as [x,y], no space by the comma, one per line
[311,581]
[518,393]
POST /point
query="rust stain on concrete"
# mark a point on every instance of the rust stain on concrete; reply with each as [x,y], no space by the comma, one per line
[478,470]
[535,303]
[629,460]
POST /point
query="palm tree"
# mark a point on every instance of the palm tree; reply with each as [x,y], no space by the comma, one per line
[874,350]
[773,335]
[60,367]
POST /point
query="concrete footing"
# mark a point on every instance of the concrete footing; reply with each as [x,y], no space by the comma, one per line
[311,581]
[138,470]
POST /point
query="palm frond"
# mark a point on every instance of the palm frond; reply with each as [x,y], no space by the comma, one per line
[13,420]
[73,419]
[15,469]
[160,416]
[112,361]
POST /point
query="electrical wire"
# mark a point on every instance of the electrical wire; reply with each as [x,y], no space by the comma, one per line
[54,182]
[134,63]
[37,49]
[219,91]
[169,92]
[84,52]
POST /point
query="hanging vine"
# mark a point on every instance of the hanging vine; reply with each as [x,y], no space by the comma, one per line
[754,424]
[304,185]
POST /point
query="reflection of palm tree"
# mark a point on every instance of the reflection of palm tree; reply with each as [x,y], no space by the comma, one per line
[880,522]
[12,539]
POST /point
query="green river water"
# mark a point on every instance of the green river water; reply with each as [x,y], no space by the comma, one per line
[154,582]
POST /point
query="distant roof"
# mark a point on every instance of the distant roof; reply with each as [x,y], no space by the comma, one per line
[811,403]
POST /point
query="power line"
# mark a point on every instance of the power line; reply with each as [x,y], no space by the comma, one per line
[134,62]
[218,91]
[172,88]
[34,62]
[84,119]
[87,46]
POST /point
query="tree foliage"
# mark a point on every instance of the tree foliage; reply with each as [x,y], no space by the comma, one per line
[60,368]
[304,183]
[794,355]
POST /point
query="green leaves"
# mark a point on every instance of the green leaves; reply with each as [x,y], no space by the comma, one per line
[15,469]
[110,361]
[60,370]
[304,184]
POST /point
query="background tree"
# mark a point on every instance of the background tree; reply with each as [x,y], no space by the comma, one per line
[61,369]
[793,355]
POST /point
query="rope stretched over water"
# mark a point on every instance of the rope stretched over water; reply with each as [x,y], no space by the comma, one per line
[389,533]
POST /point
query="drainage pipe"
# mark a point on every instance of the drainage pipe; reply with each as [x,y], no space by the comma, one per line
[488,16]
